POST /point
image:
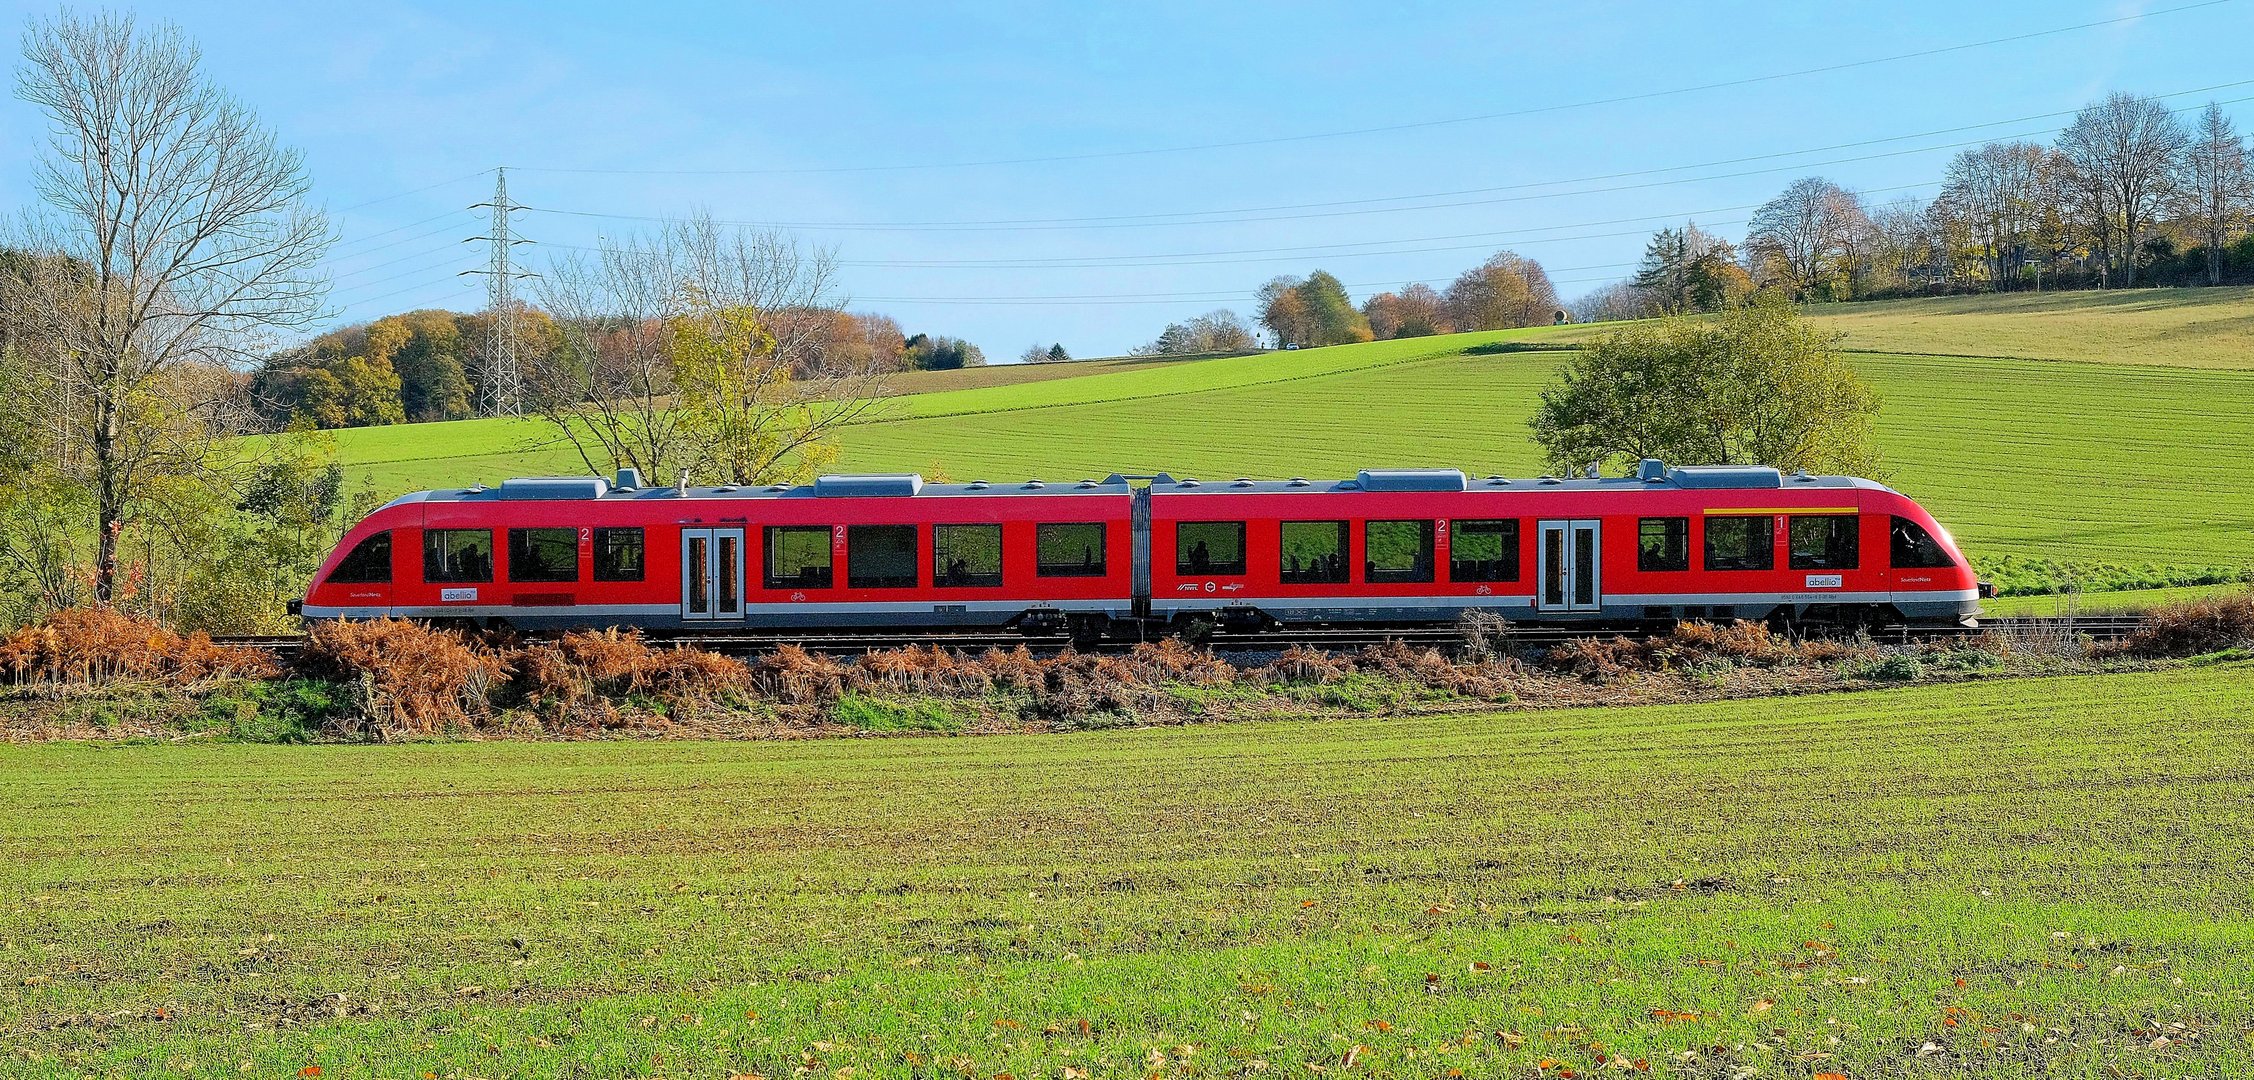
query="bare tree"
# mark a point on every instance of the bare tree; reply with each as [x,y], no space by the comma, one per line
[2218,186]
[1999,190]
[175,230]
[2122,155]
[1799,238]
[701,352]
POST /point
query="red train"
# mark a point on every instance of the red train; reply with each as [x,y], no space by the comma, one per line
[1111,556]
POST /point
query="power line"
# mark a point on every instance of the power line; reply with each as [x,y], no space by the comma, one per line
[976,226]
[416,191]
[1417,125]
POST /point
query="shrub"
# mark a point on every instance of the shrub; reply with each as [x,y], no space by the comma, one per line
[1893,667]
[2189,628]
[412,679]
[92,645]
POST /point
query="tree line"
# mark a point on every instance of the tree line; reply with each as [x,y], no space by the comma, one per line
[2129,193]
[1507,290]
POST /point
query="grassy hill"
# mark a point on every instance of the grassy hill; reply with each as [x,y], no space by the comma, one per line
[2129,453]
[2006,878]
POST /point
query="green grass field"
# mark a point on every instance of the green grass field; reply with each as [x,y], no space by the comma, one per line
[2114,602]
[2006,878]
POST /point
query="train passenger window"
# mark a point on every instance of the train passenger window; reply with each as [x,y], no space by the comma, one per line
[1663,544]
[368,564]
[543,554]
[618,555]
[1074,549]
[1745,542]
[1208,547]
[1915,548]
[1396,552]
[880,556]
[1824,542]
[457,555]
[1314,553]
[1483,551]
[966,556]
[798,557]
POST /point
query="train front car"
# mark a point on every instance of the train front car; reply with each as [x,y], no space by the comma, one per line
[1411,546]
[883,552]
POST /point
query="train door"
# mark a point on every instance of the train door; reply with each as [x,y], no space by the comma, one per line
[712,575]
[1569,572]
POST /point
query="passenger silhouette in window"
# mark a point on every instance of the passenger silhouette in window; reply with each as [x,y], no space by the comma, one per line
[1201,560]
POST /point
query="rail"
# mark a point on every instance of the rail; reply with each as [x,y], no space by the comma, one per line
[1512,638]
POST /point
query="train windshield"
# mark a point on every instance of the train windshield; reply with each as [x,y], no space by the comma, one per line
[1915,549]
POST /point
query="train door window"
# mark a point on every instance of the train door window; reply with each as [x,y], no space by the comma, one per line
[966,556]
[1663,544]
[1396,552]
[1824,541]
[1483,551]
[880,556]
[1069,549]
[369,562]
[1204,548]
[451,555]
[1741,542]
[618,555]
[543,554]
[798,557]
[1915,549]
[1314,553]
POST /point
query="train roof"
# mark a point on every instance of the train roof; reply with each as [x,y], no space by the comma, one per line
[1650,475]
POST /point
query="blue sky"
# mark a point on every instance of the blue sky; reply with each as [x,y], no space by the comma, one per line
[803,113]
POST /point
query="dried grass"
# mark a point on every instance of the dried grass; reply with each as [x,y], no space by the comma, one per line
[99,645]
[413,679]
[2189,628]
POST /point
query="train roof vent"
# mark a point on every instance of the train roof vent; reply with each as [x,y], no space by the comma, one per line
[778,487]
[1802,477]
[1551,480]
[552,488]
[1299,481]
[979,485]
[1411,479]
[1187,481]
[1498,480]
[1725,476]
[1242,481]
[1089,484]
[1034,485]
[849,485]
[1651,470]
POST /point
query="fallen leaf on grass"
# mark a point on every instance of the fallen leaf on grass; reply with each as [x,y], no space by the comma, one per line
[1354,1055]
[1762,1006]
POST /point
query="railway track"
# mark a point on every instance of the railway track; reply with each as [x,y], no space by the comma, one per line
[2096,627]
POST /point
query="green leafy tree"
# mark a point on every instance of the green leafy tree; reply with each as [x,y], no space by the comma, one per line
[1758,385]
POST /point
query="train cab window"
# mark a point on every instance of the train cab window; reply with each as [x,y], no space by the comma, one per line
[1208,547]
[1069,549]
[1825,542]
[543,554]
[1314,553]
[369,562]
[1742,542]
[1483,551]
[1396,552]
[618,555]
[880,556]
[1663,544]
[966,556]
[1915,548]
[451,555]
[798,557]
